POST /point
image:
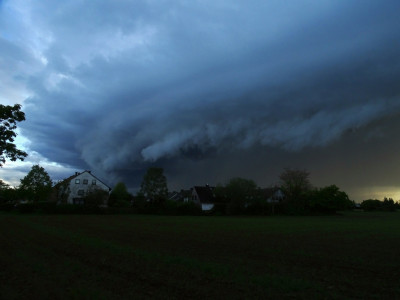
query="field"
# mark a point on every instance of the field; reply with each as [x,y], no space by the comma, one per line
[351,256]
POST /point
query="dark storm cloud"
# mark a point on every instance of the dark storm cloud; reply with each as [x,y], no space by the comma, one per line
[126,85]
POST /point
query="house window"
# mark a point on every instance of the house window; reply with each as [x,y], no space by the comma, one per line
[93,182]
[78,201]
[85,181]
[77,181]
[81,192]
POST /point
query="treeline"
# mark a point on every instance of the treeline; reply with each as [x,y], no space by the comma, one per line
[294,195]
[298,197]
[239,196]
[387,204]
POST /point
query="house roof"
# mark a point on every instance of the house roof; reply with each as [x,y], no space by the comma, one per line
[205,193]
[269,192]
[179,196]
[76,175]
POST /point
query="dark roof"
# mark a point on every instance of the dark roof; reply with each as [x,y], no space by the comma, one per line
[205,193]
[179,196]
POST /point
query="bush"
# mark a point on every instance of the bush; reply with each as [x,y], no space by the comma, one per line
[170,207]
[262,208]
[46,207]
[219,209]
[78,209]
[6,206]
[120,210]
[94,199]
[26,208]
[119,196]
[188,208]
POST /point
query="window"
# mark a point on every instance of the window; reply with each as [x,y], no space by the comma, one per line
[78,201]
[77,181]
[85,181]
[81,192]
[93,182]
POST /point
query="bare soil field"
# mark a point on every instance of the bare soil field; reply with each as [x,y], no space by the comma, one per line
[349,256]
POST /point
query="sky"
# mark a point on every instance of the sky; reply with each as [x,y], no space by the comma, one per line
[208,90]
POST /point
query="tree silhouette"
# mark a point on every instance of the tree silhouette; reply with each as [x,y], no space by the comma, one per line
[36,185]
[9,116]
[154,186]
[295,185]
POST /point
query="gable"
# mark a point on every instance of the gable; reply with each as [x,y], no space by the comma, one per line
[205,194]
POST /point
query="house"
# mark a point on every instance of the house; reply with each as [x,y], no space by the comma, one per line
[74,189]
[204,196]
[273,195]
[182,196]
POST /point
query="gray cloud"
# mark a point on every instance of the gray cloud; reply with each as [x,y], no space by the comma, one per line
[182,85]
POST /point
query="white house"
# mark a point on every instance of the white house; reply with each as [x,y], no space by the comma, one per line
[274,195]
[73,189]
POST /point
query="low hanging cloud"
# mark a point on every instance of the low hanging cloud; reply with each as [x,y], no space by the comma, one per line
[116,86]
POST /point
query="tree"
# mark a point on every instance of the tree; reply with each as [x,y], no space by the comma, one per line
[119,196]
[329,199]
[95,198]
[371,205]
[3,185]
[388,204]
[36,185]
[295,184]
[240,192]
[154,186]
[9,116]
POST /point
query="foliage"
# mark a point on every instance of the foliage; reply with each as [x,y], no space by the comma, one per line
[240,193]
[3,185]
[170,207]
[374,205]
[9,116]
[329,200]
[371,205]
[8,196]
[389,205]
[61,192]
[236,196]
[95,198]
[36,185]
[154,186]
[119,196]
[296,185]
[139,202]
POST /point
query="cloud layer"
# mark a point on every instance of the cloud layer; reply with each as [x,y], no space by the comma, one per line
[116,86]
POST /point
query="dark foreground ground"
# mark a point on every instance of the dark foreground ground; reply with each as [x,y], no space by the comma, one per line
[354,255]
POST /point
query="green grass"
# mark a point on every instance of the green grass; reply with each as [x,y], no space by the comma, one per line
[349,256]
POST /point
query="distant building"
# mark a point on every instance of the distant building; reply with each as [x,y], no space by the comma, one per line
[74,189]
[182,196]
[204,196]
[273,195]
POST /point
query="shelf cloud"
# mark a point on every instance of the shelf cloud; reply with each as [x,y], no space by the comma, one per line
[118,86]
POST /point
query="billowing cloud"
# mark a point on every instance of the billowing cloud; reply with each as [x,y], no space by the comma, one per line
[116,86]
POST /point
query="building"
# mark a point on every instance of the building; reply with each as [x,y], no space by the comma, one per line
[273,195]
[74,189]
[204,196]
[182,196]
